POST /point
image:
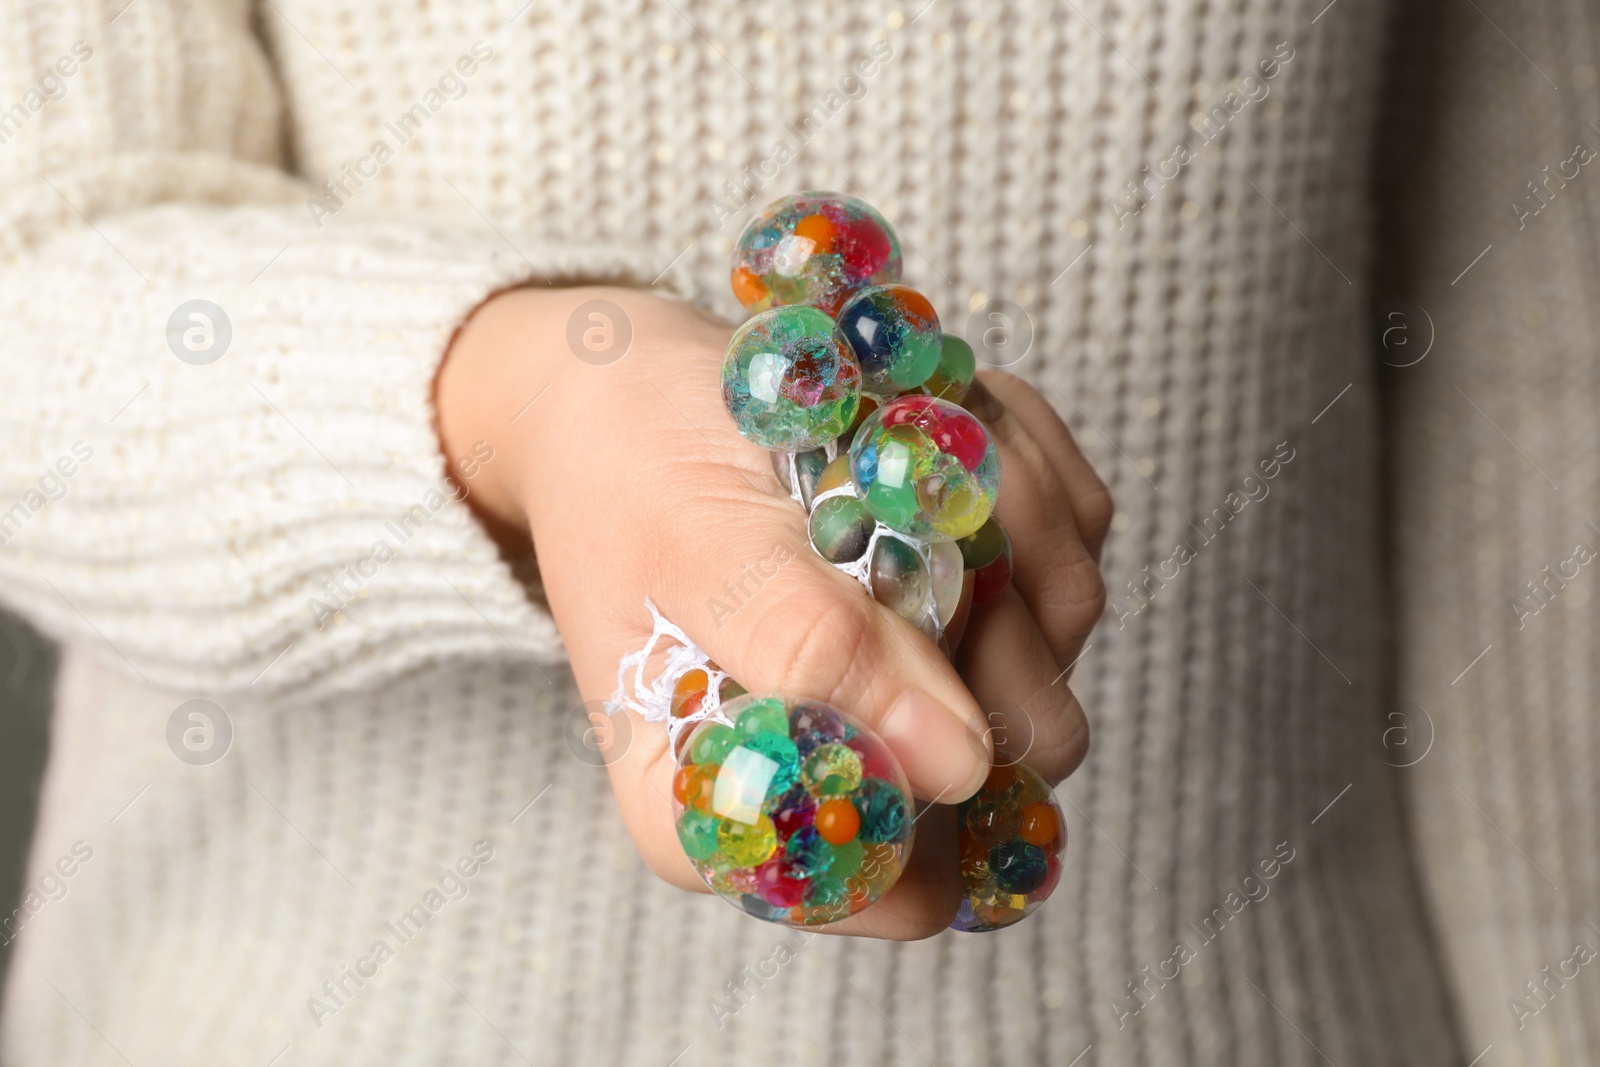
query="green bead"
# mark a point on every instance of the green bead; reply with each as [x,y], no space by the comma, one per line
[832,770]
[846,859]
[697,832]
[957,367]
[712,743]
[894,505]
[789,290]
[747,844]
[840,529]
[983,547]
[765,716]
[919,359]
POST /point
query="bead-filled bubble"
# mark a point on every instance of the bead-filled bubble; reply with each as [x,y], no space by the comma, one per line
[840,528]
[987,553]
[796,814]
[900,580]
[789,381]
[926,468]
[894,333]
[813,248]
[1011,837]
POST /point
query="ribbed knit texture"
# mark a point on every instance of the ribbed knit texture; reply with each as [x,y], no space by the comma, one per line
[1496,489]
[1238,714]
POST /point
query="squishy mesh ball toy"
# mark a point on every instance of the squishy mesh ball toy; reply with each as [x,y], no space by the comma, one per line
[791,810]
[1011,837]
[786,807]
[926,467]
[789,381]
[894,332]
[813,248]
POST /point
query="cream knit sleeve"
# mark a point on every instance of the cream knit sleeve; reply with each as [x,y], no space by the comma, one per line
[220,465]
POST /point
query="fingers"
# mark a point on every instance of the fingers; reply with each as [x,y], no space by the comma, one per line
[1033,714]
[1054,570]
[1001,393]
[641,772]
[779,618]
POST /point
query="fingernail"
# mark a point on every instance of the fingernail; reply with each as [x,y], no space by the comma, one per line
[941,756]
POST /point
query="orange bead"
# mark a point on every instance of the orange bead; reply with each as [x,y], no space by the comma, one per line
[1000,776]
[973,851]
[699,787]
[838,821]
[819,229]
[917,305]
[747,286]
[690,690]
[688,707]
[1039,824]
[693,786]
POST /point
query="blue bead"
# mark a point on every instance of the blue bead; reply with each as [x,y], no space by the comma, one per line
[761,909]
[1018,866]
[809,851]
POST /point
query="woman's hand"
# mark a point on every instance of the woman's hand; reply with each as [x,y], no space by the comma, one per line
[633,483]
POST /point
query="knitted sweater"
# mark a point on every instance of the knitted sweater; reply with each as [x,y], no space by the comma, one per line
[398,860]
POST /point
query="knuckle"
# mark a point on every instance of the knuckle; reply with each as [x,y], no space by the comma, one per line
[1095,511]
[1074,591]
[817,645]
[1064,754]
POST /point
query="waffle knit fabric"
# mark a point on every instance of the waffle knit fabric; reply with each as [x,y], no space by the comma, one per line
[1173,190]
[1490,223]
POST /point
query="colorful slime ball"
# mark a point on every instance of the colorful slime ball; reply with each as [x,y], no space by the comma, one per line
[791,810]
[926,468]
[895,334]
[1011,836]
[813,248]
[789,381]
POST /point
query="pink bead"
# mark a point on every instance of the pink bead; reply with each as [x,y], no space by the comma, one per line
[777,884]
[962,437]
[875,759]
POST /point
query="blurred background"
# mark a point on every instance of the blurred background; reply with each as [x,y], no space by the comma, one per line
[27,668]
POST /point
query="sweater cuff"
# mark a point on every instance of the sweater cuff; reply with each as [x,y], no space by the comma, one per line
[256,496]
